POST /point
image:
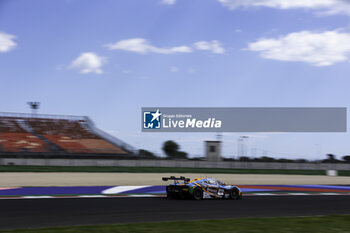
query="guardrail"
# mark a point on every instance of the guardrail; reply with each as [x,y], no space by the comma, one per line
[171,163]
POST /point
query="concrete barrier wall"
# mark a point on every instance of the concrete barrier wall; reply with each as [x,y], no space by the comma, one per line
[173,163]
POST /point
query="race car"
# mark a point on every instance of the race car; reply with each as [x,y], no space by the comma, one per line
[201,188]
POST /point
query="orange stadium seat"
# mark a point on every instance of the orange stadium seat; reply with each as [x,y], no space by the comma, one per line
[101,146]
[69,135]
[17,142]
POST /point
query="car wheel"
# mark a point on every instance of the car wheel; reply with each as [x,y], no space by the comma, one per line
[197,193]
[234,194]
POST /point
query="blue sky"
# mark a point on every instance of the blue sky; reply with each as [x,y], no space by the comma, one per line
[107,59]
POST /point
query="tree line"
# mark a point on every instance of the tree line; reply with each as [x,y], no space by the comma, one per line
[172,150]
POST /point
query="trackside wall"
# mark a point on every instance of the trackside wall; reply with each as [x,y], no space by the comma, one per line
[173,163]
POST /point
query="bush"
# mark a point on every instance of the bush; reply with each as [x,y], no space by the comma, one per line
[147,154]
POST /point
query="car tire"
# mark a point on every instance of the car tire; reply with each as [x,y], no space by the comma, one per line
[197,193]
[234,194]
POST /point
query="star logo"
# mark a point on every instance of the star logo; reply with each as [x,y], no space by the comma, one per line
[156,115]
[152,119]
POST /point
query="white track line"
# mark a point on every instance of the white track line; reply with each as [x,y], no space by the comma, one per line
[92,196]
[163,195]
[34,197]
[121,189]
[140,195]
[264,194]
[330,193]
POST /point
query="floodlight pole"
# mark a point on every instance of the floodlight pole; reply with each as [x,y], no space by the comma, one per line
[34,106]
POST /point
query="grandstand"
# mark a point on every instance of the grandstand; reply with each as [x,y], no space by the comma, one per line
[30,134]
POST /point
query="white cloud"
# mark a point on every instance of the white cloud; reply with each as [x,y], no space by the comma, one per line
[88,63]
[214,46]
[319,49]
[6,42]
[174,69]
[321,6]
[168,2]
[143,46]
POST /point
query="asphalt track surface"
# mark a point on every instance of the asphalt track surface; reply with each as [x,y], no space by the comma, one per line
[32,213]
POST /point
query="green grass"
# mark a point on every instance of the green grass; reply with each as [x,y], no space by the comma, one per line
[319,224]
[15,168]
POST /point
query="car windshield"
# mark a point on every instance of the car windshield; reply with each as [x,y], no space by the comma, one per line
[221,183]
[212,181]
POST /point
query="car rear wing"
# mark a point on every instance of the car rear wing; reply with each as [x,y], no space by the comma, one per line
[176,179]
